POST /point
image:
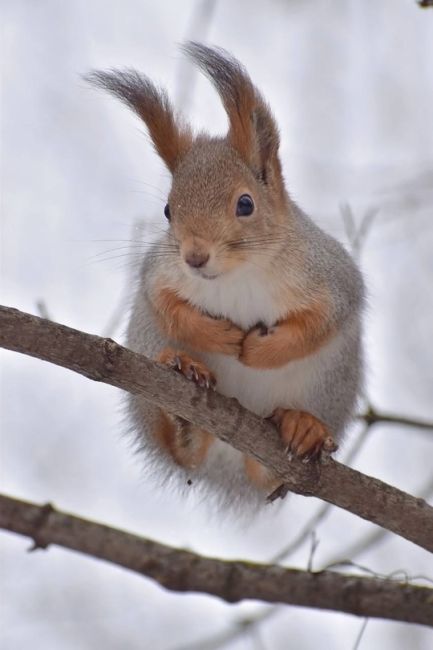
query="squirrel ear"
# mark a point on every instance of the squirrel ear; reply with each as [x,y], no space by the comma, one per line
[253,131]
[171,138]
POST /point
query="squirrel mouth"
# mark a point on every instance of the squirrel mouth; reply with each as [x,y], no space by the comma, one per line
[205,275]
[208,276]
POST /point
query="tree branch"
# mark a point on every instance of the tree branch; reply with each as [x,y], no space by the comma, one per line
[371,416]
[242,626]
[179,570]
[104,360]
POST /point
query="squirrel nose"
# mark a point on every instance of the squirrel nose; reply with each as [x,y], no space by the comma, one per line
[197,260]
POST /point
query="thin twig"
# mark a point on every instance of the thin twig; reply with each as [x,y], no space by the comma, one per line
[360,634]
[357,234]
[42,308]
[371,416]
[237,629]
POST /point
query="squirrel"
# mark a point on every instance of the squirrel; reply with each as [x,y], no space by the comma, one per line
[243,293]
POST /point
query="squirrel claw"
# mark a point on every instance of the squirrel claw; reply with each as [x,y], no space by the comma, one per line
[329,444]
[262,328]
[193,370]
[210,382]
[288,453]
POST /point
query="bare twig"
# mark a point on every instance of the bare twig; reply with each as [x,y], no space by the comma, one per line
[104,360]
[42,308]
[360,635]
[183,571]
[237,629]
[357,234]
[371,416]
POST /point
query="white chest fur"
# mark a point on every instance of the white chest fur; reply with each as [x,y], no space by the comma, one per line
[246,297]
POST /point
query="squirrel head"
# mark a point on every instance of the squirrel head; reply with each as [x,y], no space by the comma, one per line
[227,203]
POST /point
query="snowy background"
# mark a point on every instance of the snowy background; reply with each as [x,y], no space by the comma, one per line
[351,84]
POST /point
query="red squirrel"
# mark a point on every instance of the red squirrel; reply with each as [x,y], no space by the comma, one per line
[243,293]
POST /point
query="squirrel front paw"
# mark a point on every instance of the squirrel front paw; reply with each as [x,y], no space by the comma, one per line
[303,434]
[190,368]
[261,347]
[222,336]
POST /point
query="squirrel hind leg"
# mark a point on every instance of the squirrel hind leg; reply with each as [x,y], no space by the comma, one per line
[260,475]
[185,443]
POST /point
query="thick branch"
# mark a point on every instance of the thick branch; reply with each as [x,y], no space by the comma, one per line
[179,570]
[104,360]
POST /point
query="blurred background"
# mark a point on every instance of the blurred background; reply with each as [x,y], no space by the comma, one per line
[351,85]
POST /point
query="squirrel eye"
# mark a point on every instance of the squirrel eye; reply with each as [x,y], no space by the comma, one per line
[167,212]
[245,206]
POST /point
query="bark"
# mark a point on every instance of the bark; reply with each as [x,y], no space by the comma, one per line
[183,571]
[104,360]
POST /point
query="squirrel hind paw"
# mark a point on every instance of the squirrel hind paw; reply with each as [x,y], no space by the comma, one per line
[303,435]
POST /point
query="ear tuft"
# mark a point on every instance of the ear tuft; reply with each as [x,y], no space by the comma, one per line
[171,138]
[253,131]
